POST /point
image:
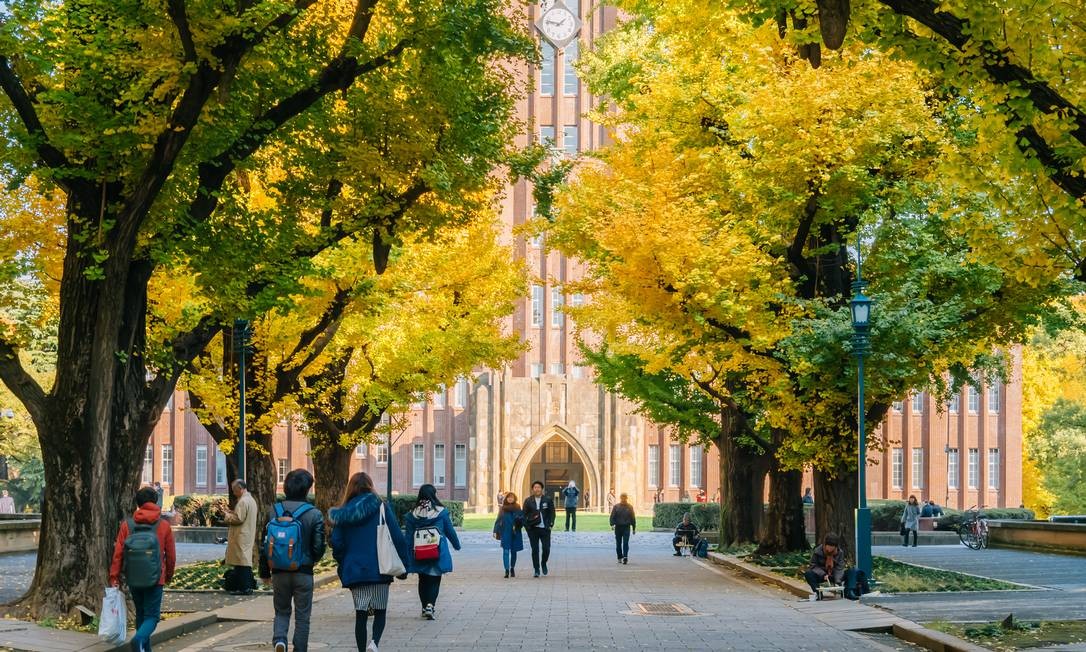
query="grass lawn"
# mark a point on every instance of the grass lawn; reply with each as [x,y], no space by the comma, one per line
[586,522]
[206,575]
[892,576]
[1019,635]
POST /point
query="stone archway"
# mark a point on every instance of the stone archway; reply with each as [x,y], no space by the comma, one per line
[579,463]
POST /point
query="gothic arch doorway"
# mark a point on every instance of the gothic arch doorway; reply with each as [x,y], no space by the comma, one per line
[555,458]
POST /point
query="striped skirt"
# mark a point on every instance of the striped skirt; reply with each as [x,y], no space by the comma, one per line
[369,597]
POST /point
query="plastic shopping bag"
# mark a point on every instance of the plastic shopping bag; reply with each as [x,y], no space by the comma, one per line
[113,619]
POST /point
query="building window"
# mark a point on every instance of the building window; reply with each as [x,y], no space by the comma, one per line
[282,475]
[536,370]
[993,399]
[557,316]
[918,468]
[557,368]
[382,453]
[952,470]
[360,451]
[654,466]
[439,465]
[547,138]
[546,69]
[537,305]
[675,464]
[418,464]
[167,464]
[577,300]
[897,407]
[918,403]
[974,468]
[439,398]
[695,466]
[974,400]
[201,466]
[993,468]
[460,400]
[571,141]
[897,464]
[570,82]
[460,465]
[148,464]
[955,403]
[220,468]
[577,372]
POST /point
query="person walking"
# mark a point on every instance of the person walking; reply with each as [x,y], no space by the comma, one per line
[570,496]
[624,522]
[294,542]
[240,538]
[354,547]
[539,514]
[507,530]
[144,551]
[910,521]
[611,500]
[429,525]
[7,503]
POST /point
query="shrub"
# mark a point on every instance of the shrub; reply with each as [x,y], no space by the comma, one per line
[200,510]
[704,515]
[886,515]
[403,503]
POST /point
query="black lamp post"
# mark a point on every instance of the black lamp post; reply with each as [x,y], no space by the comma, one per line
[861,347]
[242,331]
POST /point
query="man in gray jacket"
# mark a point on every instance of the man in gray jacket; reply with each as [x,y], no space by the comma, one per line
[292,578]
[827,563]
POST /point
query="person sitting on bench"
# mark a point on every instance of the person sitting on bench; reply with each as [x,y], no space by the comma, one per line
[686,534]
[827,563]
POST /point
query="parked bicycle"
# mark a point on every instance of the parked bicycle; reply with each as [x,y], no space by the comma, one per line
[973,530]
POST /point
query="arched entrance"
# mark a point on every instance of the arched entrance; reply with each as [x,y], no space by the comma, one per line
[555,459]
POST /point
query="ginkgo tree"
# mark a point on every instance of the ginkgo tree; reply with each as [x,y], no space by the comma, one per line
[149,123]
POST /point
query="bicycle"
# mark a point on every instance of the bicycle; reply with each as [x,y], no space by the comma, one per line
[973,531]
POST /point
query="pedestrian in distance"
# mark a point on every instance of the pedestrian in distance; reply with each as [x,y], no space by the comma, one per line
[354,545]
[926,510]
[144,552]
[539,515]
[624,522]
[910,521]
[936,510]
[7,503]
[587,500]
[293,543]
[508,530]
[240,539]
[430,532]
[827,564]
[570,498]
[611,500]
[808,497]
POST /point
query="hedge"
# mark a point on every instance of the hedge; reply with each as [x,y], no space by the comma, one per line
[704,515]
[209,510]
[886,515]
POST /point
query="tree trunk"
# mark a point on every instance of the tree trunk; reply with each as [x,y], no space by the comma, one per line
[742,475]
[836,497]
[784,530]
[332,466]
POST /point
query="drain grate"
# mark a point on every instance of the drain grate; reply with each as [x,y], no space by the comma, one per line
[661,609]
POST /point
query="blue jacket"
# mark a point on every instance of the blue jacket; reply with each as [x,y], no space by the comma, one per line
[354,540]
[572,495]
[443,523]
[508,528]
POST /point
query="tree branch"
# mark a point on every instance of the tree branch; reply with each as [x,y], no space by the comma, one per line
[179,15]
[21,383]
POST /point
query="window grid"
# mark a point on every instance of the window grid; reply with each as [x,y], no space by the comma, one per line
[461,397]
[918,468]
[654,466]
[898,406]
[537,306]
[955,403]
[536,370]
[220,468]
[167,464]
[974,468]
[897,466]
[570,83]
[546,69]
[571,142]
[439,465]
[460,465]
[675,462]
[557,369]
[439,398]
[418,464]
[282,471]
[382,453]
[695,466]
[547,137]
[952,469]
[201,466]
[149,464]
[993,399]
[360,451]
[918,403]
[993,468]
[974,400]
[557,300]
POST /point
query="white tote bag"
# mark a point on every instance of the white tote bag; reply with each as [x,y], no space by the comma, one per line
[388,558]
[113,619]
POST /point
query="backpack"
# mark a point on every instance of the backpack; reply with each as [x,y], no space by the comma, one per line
[855,584]
[702,549]
[283,540]
[427,544]
[142,555]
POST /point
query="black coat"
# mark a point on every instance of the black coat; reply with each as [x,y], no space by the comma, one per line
[622,515]
[546,511]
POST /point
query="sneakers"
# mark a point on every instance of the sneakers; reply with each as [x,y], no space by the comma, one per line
[512,572]
[536,573]
[544,568]
[280,646]
[678,554]
[372,647]
[625,560]
[506,574]
[620,560]
[428,612]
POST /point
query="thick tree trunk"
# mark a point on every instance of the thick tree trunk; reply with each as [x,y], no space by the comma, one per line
[836,498]
[783,529]
[742,476]
[332,466]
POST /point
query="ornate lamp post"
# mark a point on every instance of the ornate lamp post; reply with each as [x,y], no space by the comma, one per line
[861,347]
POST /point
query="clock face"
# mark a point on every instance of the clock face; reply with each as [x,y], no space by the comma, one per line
[559,24]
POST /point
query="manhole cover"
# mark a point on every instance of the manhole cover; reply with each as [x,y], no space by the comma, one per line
[661,609]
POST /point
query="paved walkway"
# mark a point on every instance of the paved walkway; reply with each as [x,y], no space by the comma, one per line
[585,603]
[1061,582]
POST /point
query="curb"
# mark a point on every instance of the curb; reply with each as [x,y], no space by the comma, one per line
[755,572]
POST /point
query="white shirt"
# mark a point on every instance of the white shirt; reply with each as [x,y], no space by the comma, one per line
[539,508]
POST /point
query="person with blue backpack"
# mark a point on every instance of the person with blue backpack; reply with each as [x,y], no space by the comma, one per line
[144,551]
[429,535]
[293,543]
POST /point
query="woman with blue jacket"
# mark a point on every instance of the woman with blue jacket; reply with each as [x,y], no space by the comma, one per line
[354,546]
[507,529]
[429,517]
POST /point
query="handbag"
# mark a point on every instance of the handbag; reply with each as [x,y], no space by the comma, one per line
[903,530]
[427,544]
[388,558]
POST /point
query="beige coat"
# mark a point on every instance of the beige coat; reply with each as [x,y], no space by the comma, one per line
[241,538]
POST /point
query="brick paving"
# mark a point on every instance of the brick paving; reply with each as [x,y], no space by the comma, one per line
[582,605]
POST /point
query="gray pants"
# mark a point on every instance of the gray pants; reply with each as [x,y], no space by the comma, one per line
[299,588]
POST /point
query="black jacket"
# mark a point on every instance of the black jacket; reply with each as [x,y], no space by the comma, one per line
[690,531]
[546,512]
[622,515]
[312,531]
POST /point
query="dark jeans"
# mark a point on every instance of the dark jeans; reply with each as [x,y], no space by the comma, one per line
[296,588]
[571,514]
[905,539]
[814,579]
[243,575]
[622,541]
[537,536]
[429,586]
[148,604]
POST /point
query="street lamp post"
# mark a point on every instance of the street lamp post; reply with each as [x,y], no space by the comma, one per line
[241,346]
[861,347]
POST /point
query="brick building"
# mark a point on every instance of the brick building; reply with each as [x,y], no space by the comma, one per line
[544,418]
